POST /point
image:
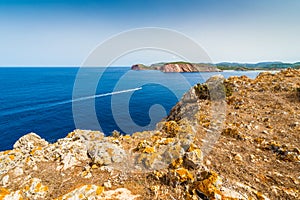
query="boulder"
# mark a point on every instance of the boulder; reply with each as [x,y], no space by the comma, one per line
[30,141]
[106,153]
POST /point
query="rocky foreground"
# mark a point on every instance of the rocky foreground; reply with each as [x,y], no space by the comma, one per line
[233,138]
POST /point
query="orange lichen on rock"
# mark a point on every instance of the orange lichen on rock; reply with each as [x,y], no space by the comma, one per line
[183,174]
[99,190]
[171,128]
[12,157]
[148,150]
[35,149]
[85,191]
[210,185]
[3,192]
[176,163]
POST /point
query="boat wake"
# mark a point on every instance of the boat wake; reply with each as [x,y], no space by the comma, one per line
[101,95]
[43,106]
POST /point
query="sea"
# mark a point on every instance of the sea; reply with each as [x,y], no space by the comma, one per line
[53,101]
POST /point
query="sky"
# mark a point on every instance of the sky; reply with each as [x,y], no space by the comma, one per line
[64,32]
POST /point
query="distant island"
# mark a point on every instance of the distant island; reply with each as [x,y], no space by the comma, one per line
[178,67]
[209,67]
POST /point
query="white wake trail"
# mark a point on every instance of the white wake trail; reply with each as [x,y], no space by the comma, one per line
[95,96]
[106,94]
[39,107]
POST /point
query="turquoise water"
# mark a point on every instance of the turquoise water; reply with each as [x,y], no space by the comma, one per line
[44,100]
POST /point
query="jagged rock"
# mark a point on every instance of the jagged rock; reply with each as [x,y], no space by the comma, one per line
[73,149]
[29,142]
[160,152]
[171,128]
[107,184]
[149,161]
[202,91]
[142,145]
[164,155]
[258,194]
[231,194]
[35,189]
[193,158]
[18,171]
[238,157]
[172,152]
[5,180]
[180,175]
[32,189]
[216,87]
[28,150]
[86,135]
[106,153]
[210,185]
[91,192]
[13,195]
[190,96]
[67,153]
[84,192]
[213,89]
[120,193]
[10,159]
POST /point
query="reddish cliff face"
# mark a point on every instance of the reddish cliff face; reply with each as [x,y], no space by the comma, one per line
[184,67]
[177,67]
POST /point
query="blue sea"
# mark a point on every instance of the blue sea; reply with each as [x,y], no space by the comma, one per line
[54,101]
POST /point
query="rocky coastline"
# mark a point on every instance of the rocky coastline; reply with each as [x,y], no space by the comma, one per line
[255,155]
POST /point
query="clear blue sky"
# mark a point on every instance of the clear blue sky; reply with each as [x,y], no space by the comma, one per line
[63,32]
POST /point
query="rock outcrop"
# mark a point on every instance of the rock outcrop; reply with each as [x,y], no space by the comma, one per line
[177,67]
[250,150]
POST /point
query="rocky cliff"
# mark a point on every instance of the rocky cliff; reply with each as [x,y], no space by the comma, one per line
[233,138]
[177,67]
